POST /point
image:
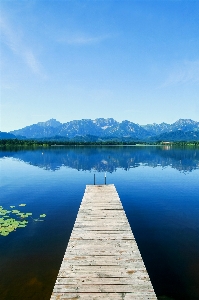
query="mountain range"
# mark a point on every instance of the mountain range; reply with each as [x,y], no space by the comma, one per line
[105,129]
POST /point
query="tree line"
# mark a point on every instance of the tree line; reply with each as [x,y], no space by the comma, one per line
[39,143]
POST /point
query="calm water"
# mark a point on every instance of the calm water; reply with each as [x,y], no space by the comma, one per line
[159,189]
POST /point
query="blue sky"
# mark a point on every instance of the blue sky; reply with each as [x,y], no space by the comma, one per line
[69,60]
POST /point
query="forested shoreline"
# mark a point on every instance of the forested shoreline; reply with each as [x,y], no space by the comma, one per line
[5,143]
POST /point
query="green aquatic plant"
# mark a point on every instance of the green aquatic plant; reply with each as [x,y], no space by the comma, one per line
[10,223]
[15,211]
[42,216]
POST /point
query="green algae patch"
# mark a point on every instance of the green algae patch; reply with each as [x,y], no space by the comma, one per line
[42,216]
[3,212]
[15,211]
[12,220]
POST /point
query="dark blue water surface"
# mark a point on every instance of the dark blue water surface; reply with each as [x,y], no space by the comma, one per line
[159,189]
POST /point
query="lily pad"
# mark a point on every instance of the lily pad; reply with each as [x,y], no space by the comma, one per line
[42,216]
[15,211]
[4,233]
[23,222]
[3,212]
[10,223]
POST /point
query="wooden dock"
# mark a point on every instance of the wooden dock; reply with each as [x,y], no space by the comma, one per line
[102,259]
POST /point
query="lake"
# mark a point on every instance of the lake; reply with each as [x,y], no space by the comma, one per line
[159,190]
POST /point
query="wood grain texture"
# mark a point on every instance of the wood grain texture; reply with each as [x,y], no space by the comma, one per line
[102,259]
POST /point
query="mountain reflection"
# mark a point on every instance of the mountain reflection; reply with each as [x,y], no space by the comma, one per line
[107,159]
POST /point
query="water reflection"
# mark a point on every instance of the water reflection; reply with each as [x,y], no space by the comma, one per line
[160,202]
[107,159]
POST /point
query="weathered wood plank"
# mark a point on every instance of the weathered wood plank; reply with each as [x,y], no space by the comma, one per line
[102,259]
[108,272]
[102,244]
[100,223]
[104,288]
[124,268]
[100,280]
[100,296]
[85,252]
[98,235]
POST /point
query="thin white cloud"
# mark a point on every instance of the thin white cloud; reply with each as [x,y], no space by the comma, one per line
[13,39]
[186,72]
[81,39]
[31,61]
[9,38]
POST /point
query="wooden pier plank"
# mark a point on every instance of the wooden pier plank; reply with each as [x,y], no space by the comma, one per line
[100,296]
[102,259]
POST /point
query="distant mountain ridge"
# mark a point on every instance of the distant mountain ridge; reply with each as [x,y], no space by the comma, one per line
[50,123]
[181,124]
[109,128]
[6,135]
